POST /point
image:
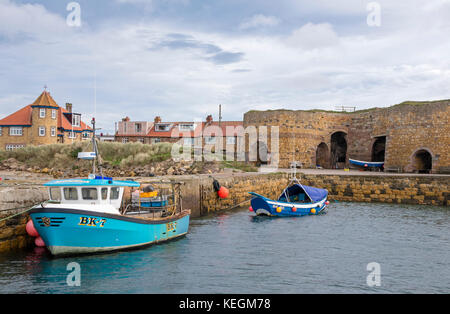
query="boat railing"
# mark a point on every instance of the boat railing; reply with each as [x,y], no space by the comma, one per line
[167,202]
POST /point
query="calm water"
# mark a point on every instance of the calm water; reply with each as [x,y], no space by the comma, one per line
[238,253]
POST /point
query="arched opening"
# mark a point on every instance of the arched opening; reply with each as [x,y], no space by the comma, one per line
[422,161]
[262,153]
[322,156]
[379,148]
[338,150]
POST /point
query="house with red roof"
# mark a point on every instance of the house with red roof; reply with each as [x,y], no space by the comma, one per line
[206,134]
[42,122]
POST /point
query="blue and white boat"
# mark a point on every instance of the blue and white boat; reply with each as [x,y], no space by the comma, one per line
[91,215]
[366,164]
[295,200]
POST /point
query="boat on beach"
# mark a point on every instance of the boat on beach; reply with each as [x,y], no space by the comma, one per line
[295,200]
[366,164]
[94,215]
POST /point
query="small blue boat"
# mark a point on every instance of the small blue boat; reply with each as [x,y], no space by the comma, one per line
[92,215]
[366,164]
[295,200]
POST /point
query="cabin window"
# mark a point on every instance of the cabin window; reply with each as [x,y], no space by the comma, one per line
[104,193]
[55,193]
[89,193]
[70,194]
[114,193]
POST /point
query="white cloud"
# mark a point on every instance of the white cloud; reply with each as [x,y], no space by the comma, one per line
[259,20]
[155,67]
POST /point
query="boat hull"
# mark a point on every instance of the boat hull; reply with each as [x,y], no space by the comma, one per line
[265,206]
[372,164]
[71,231]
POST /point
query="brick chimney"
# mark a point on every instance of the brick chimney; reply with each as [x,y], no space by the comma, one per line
[157,119]
[209,119]
[126,119]
[69,107]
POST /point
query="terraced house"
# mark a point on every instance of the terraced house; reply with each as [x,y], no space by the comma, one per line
[40,123]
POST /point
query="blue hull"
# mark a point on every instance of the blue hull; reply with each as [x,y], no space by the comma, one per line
[264,206]
[366,163]
[70,231]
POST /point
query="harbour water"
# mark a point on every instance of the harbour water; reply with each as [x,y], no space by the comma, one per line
[236,252]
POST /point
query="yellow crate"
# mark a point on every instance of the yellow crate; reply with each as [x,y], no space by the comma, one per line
[149,194]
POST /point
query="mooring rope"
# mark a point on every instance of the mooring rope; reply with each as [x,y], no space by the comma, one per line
[238,204]
[17,214]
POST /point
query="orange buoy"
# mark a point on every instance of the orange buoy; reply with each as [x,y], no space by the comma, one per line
[327,203]
[294,209]
[223,192]
[31,230]
[279,209]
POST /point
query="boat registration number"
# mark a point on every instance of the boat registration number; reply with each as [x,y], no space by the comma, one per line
[92,222]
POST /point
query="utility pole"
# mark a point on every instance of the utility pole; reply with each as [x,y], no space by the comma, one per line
[220,114]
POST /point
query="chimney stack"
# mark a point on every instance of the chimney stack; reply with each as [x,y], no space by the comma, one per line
[209,119]
[157,119]
[69,107]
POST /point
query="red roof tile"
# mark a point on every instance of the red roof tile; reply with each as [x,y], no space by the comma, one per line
[20,117]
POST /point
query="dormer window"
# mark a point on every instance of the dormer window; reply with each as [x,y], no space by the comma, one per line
[186,127]
[138,128]
[162,127]
[76,120]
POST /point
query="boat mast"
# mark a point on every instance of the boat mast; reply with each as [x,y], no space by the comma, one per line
[94,146]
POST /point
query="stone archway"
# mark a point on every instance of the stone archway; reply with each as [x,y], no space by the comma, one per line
[322,156]
[422,161]
[338,152]
[379,149]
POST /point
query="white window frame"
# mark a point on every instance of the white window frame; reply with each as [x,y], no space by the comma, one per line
[41,131]
[186,126]
[210,140]
[72,134]
[10,147]
[231,140]
[16,131]
[125,140]
[76,120]
[165,127]
[1,131]
[53,113]
[41,112]
[138,128]
[188,141]
[53,131]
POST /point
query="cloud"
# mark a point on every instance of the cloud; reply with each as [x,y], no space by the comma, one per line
[312,36]
[259,20]
[208,51]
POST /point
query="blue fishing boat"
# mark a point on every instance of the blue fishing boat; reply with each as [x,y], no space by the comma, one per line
[92,215]
[366,164]
[295,200]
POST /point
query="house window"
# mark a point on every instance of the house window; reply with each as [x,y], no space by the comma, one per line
[76,119]
[85,134]
[72,134]
[0,131]
[53,113]
[188,141]
[125,140]
[42,131]
[15,131]
[156,140]
[53,131]
[210,140]
[141,139]
[231,140]
[162,127]
[13,146]
[186,127]
[138,128]
[42,113]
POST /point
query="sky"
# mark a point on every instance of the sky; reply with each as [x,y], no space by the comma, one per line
[180,59]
